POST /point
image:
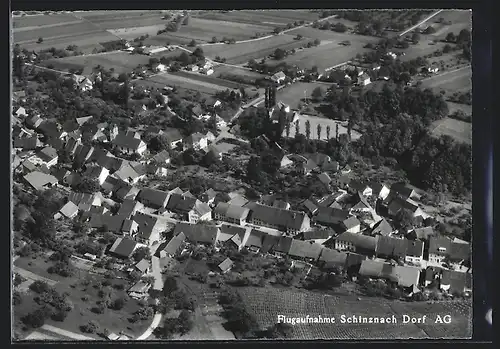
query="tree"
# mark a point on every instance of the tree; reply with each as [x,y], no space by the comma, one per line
[415,38]
[279,54]
[119,303]
[37,318]
[450,37]
[297,129]
[185,21]
[88,185]
[298,37]
[40,40]
[214,39]
[328,132]
[148,279]
[317,94]
[316,42]
[280,330]
[308,129]
[192,43]
[287,129]
[254,169]
[141,253]
[90,327]
[405,220]
[198,52]
[318,129]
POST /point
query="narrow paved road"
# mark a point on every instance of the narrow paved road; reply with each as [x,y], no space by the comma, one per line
[420,23]
[156,322]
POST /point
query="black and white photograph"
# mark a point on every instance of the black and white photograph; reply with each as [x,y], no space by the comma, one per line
[227,175]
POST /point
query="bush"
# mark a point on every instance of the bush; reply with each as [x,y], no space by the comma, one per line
[40,287]
[90,327]
[37,318]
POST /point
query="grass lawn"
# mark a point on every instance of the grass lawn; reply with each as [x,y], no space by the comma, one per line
[423,48]
[329,35]
[242,53]
[222,70]
[131,33]
[326,55]
[451,82]
[453,107]
[459,130]
[113,320]
[266,303]
[128,20]
[209,79]
[292,95]
[54,32]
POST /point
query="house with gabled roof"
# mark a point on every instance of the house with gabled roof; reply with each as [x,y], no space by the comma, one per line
[402,191]
[209,196]
[153,198]
[230,213]
[280,219]
[85,201]
[34,122]
[285,162]
[382,227]
[123,248]
[82,154]
[27,143]
[330,258]
[356,243]
[356,186]
[129,207]
[325,179]
[319,236]
[96,172]
[432,275]
[225,265]
[143,266]
[331,217]
[131,172]
[379,190]
[439,249]
[391,248]
[311,207]
[40,181]
[173,247]
[192,209]
[254,240]
[195,141]
[128,144]
[173,136]
[149,228]
[198,233]
[360,204]
[351,225]
[305,250]
[69,210]
[161,158]
[453,281]
[414,251]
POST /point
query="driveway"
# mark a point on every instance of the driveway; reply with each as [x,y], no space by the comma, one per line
[156,322]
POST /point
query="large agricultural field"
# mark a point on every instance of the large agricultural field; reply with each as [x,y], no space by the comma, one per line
[166,79]
[124,19]
[122,62]
[42,20]
[270,18]
[242,53]
[453,81]
[203,30]
[209,79]
[325,56]
[267,303]
[457,129]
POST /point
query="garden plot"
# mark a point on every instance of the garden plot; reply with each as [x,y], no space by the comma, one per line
[459,130]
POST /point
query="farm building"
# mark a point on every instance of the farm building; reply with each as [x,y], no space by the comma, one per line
[151,50]
[123,247]
[230,213]
[279,77]
[225,265]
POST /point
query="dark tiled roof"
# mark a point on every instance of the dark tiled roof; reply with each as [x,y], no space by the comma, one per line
[173,245]
[255,238]
[331,256]
[269,243]
[200,233]
[305,249]
[414,248]
[127,141]
[358,240]
[310,206]
[382,228]
[123,247]
[153,196]
[278,217]
[284,244]
[231,211]
[180,203]
[391,247]
[328,215]
[351,222]
[316,234]
[460,251]
[436,242]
